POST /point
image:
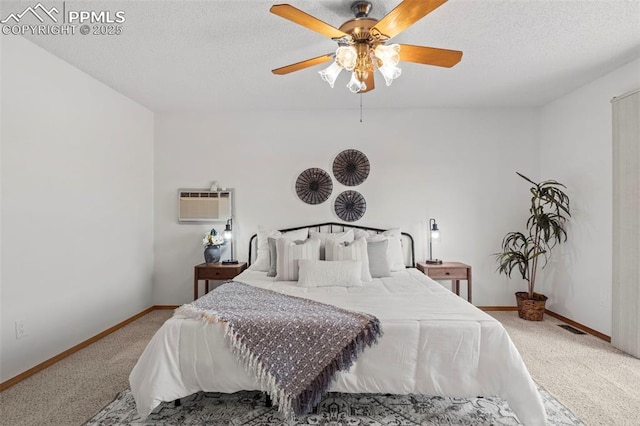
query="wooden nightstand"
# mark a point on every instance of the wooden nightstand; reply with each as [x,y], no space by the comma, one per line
[454,271]
[214,271]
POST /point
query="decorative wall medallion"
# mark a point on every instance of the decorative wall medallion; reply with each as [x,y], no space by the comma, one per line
[350,206]
[351,167]
[314,186]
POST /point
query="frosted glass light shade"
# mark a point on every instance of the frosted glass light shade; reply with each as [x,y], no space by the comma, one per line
[346,57]
[356,85]
[390,73]
[389,55]
[330,73]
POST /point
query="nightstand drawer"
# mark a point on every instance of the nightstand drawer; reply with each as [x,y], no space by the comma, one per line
[217,273]
[448,273]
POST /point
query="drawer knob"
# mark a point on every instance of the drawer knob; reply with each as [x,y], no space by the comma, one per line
[446,273]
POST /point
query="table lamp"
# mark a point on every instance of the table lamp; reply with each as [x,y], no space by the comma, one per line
[228,236]
[434,235]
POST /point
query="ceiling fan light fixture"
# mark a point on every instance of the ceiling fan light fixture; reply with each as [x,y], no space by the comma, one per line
[330,74]
[355,85]
[362,43]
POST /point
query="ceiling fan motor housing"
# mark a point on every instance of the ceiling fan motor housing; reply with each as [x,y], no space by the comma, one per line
[358,28]
[361,9]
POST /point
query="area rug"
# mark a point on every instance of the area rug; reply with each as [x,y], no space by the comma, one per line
[336,409]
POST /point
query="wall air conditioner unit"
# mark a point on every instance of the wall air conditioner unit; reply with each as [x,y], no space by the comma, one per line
[201,205]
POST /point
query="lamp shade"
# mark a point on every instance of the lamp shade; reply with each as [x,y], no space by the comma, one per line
[390,73]
[435,232]
[346,57]
[356,85]
[389,55]
[227,234]
[330,73]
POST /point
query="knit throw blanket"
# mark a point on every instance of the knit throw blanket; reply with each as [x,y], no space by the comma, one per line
[293,346]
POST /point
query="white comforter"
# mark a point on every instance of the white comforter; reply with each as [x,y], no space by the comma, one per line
[434,343]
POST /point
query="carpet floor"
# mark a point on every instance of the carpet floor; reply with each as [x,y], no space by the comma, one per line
[336,409]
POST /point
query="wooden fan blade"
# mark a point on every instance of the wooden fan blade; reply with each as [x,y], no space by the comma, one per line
[429,55]
[406,14]
[289,12]
[370,82]
[303,64]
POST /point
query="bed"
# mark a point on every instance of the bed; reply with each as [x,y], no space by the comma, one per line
[434,343]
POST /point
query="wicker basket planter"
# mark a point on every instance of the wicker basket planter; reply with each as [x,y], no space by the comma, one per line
[531,309]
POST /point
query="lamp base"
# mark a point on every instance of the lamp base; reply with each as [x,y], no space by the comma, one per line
[433,261]
[235,262]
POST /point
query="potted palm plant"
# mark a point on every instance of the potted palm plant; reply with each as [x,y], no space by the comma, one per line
[546,228]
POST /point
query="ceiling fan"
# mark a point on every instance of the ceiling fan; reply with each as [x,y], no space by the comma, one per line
[362,44]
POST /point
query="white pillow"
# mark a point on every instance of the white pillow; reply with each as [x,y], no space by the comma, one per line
[263,262]
[290,252]
[378,261]
[395,254]
[339,273]
[336,236]
[356,250]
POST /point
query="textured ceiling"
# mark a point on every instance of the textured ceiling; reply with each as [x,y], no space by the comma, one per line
[203,55]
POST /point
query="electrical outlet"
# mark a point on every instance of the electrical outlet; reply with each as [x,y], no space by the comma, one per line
[20,329]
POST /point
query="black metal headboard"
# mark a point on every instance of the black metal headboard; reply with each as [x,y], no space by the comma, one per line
[339,227]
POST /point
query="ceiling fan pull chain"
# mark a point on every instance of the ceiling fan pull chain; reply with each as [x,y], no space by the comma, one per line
[361,107]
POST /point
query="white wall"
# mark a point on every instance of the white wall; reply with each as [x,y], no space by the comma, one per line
[455,165]
[77,206]
[576,149]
